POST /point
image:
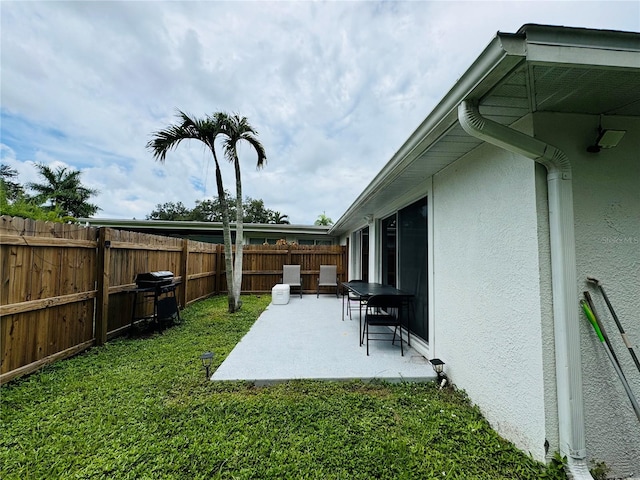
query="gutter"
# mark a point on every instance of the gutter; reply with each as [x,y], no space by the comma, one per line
[563,275]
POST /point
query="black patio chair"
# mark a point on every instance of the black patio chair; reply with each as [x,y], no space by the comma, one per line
[353,298]
[383,311]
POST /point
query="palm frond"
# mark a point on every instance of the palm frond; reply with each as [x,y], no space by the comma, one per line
[238,128]
[187,128]
[262,154]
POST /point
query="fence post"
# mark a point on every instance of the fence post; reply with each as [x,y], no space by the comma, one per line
[185,271]
[103,276]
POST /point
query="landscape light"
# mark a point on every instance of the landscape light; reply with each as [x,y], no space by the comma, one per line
[438,367]
[207,360]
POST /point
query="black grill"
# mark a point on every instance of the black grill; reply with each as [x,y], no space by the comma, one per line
[150,287]
[154,279]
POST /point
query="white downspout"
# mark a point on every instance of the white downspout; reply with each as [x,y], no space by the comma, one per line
[563,275]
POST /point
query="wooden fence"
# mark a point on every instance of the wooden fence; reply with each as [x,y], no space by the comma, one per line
[66,287]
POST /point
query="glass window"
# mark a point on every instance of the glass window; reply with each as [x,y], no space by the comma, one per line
[308,241]
[262,241]
[388,231]
[364,255]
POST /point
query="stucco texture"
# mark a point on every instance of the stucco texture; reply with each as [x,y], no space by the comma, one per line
[606,192]
[487,290]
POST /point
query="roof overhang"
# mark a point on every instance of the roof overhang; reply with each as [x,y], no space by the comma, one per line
[539,68]
[204,228]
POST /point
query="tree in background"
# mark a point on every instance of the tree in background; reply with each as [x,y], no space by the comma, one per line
[64,192]
[170,211]
[233,129]
[278,218]
[210,210]
[16,203]
[12,190]
[255,211]
[61,197]
[323,220]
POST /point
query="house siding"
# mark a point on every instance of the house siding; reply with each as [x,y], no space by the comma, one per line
[607,231]
[487,290]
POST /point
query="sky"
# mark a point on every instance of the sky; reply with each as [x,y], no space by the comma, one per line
[333,89]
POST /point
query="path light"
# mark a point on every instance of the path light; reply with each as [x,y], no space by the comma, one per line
[438,367]
[207,360]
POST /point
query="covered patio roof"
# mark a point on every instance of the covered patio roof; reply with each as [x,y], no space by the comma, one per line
[538,69]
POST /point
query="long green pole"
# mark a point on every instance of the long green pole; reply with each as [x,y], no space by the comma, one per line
[603,331]
[625,339]
[594,323]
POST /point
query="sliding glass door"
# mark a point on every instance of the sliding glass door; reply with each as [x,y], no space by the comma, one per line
[364,259]
[403,257]
[412,261]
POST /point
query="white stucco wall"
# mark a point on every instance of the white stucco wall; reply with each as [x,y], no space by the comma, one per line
[606,189]
[487,305]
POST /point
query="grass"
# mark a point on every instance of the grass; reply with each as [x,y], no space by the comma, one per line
[142,408]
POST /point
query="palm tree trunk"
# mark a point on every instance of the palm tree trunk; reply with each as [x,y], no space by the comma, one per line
[226,233]
[237,269]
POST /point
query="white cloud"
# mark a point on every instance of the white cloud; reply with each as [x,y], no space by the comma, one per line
[333,88]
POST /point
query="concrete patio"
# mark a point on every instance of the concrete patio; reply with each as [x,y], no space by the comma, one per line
[307,339]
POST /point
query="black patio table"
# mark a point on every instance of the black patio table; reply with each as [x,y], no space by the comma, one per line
[364,290]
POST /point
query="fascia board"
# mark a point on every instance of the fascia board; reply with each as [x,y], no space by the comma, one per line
[581,37]
[576,56]
[579,46]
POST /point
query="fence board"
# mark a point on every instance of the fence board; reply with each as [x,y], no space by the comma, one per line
[45,241]
[32,305]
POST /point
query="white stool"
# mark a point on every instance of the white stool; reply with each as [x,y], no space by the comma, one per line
[280,294]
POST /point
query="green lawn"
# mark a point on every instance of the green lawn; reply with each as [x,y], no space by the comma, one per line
[142,408]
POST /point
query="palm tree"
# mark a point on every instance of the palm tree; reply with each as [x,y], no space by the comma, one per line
[279,218]
[323,220]
[233,129]
[236,129]
[13,190]
[64,190]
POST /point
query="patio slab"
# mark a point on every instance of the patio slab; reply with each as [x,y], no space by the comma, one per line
[306,339]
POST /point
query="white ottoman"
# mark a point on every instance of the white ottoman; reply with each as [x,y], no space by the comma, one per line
[280,294]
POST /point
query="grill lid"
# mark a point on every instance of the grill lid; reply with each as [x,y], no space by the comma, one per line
[154,279]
